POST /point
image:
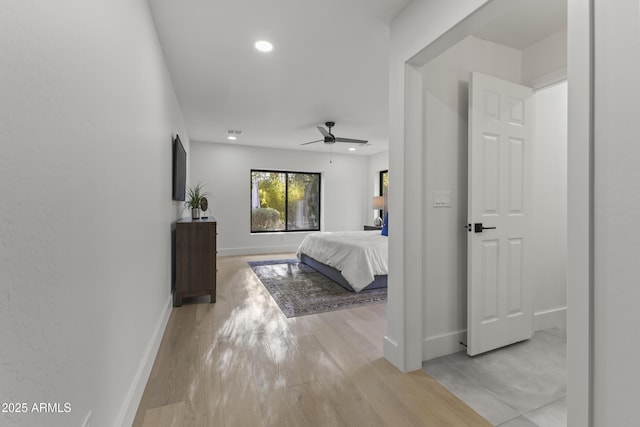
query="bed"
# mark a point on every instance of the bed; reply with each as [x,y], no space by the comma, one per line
[357,260]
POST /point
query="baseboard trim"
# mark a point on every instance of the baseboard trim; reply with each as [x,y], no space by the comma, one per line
[131,403]
[547,319]
[258,250]
[443,344]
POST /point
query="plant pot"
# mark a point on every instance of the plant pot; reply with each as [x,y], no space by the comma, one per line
[195,213]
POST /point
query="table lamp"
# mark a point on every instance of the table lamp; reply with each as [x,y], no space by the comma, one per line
[378,205]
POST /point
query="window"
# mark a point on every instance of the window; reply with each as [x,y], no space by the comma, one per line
[384,189]
[284,201]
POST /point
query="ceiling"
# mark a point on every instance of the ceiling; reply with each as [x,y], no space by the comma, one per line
[521,23]
[329,63]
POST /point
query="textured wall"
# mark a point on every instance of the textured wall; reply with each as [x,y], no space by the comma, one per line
[87,113]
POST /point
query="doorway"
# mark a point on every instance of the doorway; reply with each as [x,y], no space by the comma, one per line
[406,343]
[444,90]
[526,382]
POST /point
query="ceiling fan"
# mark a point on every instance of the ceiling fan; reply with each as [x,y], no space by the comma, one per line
[329,138]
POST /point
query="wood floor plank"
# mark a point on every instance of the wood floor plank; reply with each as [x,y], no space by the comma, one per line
[339,347]
[368,314]
[240,400]
[447,401]
[208,407]
[346,398]
[165,416]
[241,362]
[368,331]
[342,323]
[380,309]
[426,399]
[315,404]
[384,399]
[276,405]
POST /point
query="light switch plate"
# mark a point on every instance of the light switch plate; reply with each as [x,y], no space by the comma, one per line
[442,199]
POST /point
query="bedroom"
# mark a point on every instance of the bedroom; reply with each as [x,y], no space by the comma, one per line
[444,307]
[348,185]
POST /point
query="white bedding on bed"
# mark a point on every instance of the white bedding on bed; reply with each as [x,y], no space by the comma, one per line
[358,255]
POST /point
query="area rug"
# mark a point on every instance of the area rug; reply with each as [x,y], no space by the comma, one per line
[300,290]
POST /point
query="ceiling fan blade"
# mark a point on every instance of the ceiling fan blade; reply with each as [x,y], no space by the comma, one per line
[313,142]
[351,140]
[323,131]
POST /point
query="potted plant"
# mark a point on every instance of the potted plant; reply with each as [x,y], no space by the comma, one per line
[195,196]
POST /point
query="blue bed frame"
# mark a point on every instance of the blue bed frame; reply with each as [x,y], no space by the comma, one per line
[380,281]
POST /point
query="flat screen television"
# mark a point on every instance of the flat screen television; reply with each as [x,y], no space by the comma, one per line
[179,169]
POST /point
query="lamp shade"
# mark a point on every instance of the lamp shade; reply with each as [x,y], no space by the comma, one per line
[378,202]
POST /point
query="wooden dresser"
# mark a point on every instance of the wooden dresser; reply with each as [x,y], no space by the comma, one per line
[195,259]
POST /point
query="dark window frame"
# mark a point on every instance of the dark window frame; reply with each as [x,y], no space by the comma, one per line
[381,187]
[286,201]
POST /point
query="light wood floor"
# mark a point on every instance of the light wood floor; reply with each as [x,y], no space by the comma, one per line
[241,362]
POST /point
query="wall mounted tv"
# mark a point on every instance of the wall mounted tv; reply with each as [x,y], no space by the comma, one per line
[179,169]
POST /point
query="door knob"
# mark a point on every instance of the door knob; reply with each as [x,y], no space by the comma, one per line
[478,227]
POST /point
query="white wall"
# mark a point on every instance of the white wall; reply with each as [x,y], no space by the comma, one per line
[549,213]
[225,171]
[418,25]
[445,168]
[545,62]
[580,216]
[616,213]
[86,120]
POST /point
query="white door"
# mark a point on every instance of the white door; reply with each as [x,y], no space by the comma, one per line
[499,297]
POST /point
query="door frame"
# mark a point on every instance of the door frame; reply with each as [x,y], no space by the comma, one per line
[404,336]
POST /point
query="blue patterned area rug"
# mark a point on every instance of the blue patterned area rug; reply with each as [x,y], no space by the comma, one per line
[300,290]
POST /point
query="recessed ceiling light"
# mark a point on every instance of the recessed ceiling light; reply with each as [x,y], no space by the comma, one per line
[263,46]
[352,148]
[232,138]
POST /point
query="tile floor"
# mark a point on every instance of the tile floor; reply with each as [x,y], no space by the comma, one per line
[522,385]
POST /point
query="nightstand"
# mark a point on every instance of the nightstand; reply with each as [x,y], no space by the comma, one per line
[372,227]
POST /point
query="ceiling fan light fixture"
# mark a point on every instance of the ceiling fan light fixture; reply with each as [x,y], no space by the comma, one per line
[263,46]
[329,138]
